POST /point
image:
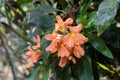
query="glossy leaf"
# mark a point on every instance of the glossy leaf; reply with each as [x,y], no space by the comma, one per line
[106,12]
[99,45]
[34,73]
[85,69]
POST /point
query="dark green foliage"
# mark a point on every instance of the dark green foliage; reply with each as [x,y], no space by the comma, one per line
[40,17]
[34,73]
[106,12]
[61,73]
[85,69]
[99,45]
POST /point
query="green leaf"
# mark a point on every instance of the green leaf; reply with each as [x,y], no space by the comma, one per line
[34,73]
[40,17]
[45,43]
[45,21]
[40,11]
[85,69]
[99,45]
[61,73]
[91,21]
[106,12]
[81,16]
[1,3]
[46,72]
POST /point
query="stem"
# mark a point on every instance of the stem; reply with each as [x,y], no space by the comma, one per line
[19,34]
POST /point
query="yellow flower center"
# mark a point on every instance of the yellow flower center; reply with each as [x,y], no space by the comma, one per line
[76,44]
[62,44]
[72,34]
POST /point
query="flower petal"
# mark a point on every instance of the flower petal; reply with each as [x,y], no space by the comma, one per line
[78,51]
[77,28]
[82,37]
[68,41]
[63,51]
[49,37]
[53,46]
[72,59]
[60,21]
[63,61]
[68,21]
[28,53]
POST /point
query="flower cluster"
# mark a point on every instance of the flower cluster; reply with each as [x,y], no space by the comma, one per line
[66,40]
[33,53]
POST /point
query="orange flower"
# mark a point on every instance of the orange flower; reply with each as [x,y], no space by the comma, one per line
[74,36]
[61,25]
[32,57]
[63,51]
[51,36]
[69,42]
[72,59]
[77,36]
[54,46]
[78,50]
[76,29]
[63,61]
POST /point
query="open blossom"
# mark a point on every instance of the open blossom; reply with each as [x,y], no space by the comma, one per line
[61,25]
[78,50]
[55,41]
[68,43]
[32,54]
[63,51]
[74,36]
